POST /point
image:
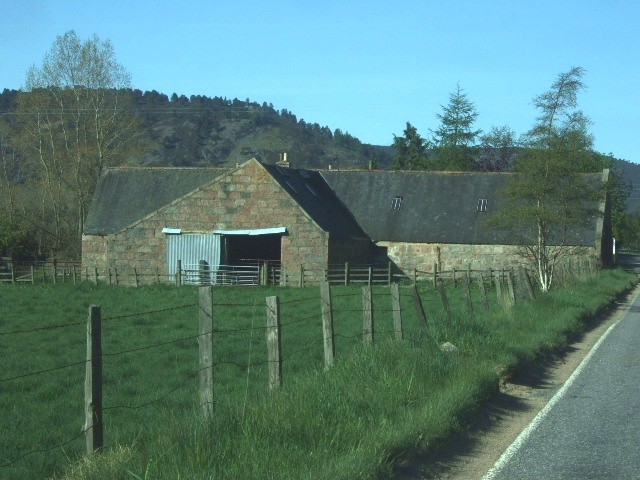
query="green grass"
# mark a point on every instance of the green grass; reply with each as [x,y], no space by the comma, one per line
[377,402]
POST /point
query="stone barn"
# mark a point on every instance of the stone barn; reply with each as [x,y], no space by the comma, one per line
[255,214]
[418,219]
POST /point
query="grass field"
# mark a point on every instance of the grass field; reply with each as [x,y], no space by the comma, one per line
[350,422]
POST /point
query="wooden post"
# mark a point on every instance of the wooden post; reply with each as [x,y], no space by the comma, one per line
[86,274]
[109,276]
[496,279]
[417,304]
[512,294]
[346,273]
[524,278]
[205,348]
[327,324]
[274,357]
[93,426]
[74,275]
[397,313]
[135,275]
[179,273]
[483,292]
[415,276]
[444,300]
[115,271]
[370,277]
[33,276]
[435,275]
[95,272]
[55,271]
[301,275]
[467,294]
[367,315]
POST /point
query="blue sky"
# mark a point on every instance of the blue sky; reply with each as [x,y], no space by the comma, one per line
[365,67]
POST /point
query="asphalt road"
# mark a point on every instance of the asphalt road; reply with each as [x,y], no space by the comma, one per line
[591,428]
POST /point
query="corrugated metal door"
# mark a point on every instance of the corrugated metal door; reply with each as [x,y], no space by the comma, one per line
[190,249]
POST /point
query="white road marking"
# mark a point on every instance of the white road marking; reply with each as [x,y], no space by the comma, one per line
[526,433]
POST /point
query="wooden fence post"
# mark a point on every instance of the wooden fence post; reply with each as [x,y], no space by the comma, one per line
[445,300]
[524,278]
[496,279]
[93,426]
[512,295]
[157,275]
[346,273]
[435,275]
[109,276]
[370,276]
[301,275]
[467,294]
[33,276]
[115,271]
[397,313]
[55,271]
[179,273]
[274,357]
[74,275]
[95,272]
[135,275]
[417,304]
[483,292]
[327,324]
[205,347]
[367,315]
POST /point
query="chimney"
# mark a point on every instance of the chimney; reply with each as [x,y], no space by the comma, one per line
[283,162]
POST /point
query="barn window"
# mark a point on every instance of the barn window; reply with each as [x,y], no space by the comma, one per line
[396,202]
[291,186]
[482,205]
[313,192]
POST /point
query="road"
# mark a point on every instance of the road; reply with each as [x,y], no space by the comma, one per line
[590,429]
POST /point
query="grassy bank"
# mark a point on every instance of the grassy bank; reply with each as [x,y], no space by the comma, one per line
[349,422]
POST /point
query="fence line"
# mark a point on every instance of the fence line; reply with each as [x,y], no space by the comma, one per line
[273,331]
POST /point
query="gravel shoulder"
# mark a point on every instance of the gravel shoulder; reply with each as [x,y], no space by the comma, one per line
[471,455]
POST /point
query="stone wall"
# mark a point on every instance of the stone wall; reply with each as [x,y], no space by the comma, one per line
[247,198]
[422,256]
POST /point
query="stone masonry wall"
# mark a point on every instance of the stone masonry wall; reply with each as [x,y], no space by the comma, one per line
[422,256]
[247,198]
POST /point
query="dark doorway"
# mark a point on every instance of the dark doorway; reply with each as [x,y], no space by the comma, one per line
[252,249]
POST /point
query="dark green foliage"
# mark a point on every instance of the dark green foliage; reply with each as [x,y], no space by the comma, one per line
[454,140]
[411,150]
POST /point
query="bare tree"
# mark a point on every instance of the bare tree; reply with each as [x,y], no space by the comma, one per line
[74,119]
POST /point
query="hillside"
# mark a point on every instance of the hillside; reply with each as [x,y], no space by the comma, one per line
[203,131]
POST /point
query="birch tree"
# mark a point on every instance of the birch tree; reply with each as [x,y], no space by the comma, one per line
[550,199]
[74,119]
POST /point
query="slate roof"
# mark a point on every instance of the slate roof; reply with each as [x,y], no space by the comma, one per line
[436,207]
[125,195]
[318,200]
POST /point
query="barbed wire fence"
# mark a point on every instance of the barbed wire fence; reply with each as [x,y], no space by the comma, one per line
[387,302]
